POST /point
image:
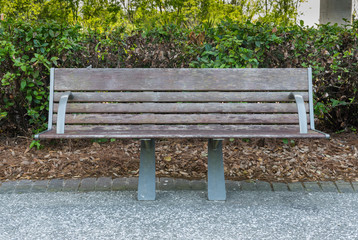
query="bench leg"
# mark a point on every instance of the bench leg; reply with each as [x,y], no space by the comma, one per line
[216,178]
[146,182]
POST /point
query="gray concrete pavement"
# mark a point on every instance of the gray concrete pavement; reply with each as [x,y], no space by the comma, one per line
[179,215]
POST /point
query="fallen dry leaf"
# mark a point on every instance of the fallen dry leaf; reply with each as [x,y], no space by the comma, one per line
[263,159]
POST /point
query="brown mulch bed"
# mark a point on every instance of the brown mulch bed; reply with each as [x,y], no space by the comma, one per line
[263,159]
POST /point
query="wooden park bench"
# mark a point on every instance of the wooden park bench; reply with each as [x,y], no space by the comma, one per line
[149,104]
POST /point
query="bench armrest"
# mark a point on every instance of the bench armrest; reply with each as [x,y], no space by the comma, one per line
[61,113]
[302,117]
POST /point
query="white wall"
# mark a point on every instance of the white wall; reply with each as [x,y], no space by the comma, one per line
[310,11]
[334,11]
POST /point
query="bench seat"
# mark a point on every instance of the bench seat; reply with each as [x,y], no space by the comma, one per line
[184,131]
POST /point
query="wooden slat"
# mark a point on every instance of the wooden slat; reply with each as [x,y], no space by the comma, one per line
[206,127]
[180,107]
[183,134]
[181,96]
[147,79]
[180,118]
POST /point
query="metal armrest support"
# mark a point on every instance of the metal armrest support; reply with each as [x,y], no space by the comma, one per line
[301,112]
[37,136]
[61,114]
[325,134]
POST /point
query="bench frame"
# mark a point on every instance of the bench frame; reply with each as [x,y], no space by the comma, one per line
[216,180]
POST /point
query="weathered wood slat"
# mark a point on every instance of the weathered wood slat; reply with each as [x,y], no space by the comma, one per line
[147,79]
[180,118]
[181,96]
[152,127]
[183,134]
[180,107]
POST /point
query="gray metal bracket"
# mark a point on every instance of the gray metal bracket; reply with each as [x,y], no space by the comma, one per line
[50,107]
[310,97]
[302,117]
[216,178]
[61,113]
[146,181]
[325,134]
[37,136]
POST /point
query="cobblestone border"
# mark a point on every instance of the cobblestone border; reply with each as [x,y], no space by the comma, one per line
[164,184]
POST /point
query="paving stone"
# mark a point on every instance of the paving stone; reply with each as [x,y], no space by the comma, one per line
[71,185]
[296,187]
[165,184]
[104,184]
[232,185]
[132,184]
[279,187]
[119,184]
[40,186]
[182,184]
[198,185]
[247,185]
[344,187]
[55,185]
[8,187]
[355,186]
[24,186]
[312,187]
[87,185]
[157,182]
[263,186]
[328,187]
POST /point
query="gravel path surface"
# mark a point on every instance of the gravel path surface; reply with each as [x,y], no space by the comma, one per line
[247,214]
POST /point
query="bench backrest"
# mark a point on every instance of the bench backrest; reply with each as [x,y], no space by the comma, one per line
[181,96]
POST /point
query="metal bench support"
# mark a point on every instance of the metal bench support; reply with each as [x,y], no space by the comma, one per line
[302,115]
[61,114]
[216,178]
[146,182]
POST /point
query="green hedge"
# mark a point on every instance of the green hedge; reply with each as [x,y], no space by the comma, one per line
[29,49]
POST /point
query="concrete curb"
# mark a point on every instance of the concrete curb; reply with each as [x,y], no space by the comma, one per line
[167,184]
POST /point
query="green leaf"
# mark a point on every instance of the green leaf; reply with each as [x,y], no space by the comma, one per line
[96,47]
[29,98]
[285,140]
[35,74]
[35,143]
[32,144]
[23,84]
[3,115]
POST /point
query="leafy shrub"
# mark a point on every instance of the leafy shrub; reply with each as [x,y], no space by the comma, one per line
[160,47]
[27,52]
[29,49]
[332,53]
[236,45]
